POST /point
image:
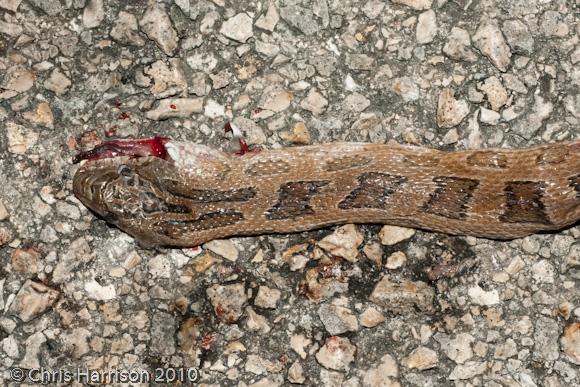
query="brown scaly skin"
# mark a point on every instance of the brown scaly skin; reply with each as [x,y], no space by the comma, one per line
[492,193]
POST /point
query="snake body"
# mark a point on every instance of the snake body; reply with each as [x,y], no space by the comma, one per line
[198,194]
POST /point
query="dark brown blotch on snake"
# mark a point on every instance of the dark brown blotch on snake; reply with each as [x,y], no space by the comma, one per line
[373,191]
[294,199]
[451,197]
[524,203]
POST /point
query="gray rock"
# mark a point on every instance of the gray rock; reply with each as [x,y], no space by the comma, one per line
[490,41]
[546,334]
[458,46]
[11,5]
[228,301]
[162,334]
[384,373]
[355,102]
[529,125]
[337,319]
[459,349]
[468,370]
[404,296]
[373,8]
[126,30]
[18,79]
[406,88]
[415,4]
[324,64]
[238,28]
[552,26]
[512,82]
[77,254]
[93,14]
[426,27]
[421,358]
[300,18]
[158,27]
[518,36]
[58,82]
[337,353]
[497,95]
[175,107]
[360,62]
[32,300]
[10,29]
[31,358]
[269,20]
[50,7]
[314,102]
[489,117]
[20,138]
[450,111]
[572,104]
[67,44]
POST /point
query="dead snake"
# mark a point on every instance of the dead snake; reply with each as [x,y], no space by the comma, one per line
[164,192]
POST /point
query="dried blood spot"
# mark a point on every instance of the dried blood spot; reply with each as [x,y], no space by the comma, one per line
[111,131]
[123,116]
[207,340]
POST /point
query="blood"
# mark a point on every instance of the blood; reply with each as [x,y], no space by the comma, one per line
[208,340]
[134,148]
[244,147]
[111,131]
[123,116]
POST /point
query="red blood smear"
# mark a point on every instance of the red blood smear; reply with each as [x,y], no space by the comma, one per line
[123,116]
[111,131]
[244,148]
[207,340]
[133,148]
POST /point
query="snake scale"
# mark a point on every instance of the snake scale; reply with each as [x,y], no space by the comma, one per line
[164,192]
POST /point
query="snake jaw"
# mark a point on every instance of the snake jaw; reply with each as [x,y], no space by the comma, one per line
[155,146]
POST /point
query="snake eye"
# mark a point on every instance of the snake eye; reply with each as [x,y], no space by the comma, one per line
[128,175]
[124,170]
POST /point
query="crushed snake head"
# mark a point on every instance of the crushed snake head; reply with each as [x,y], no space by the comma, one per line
[165,192]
